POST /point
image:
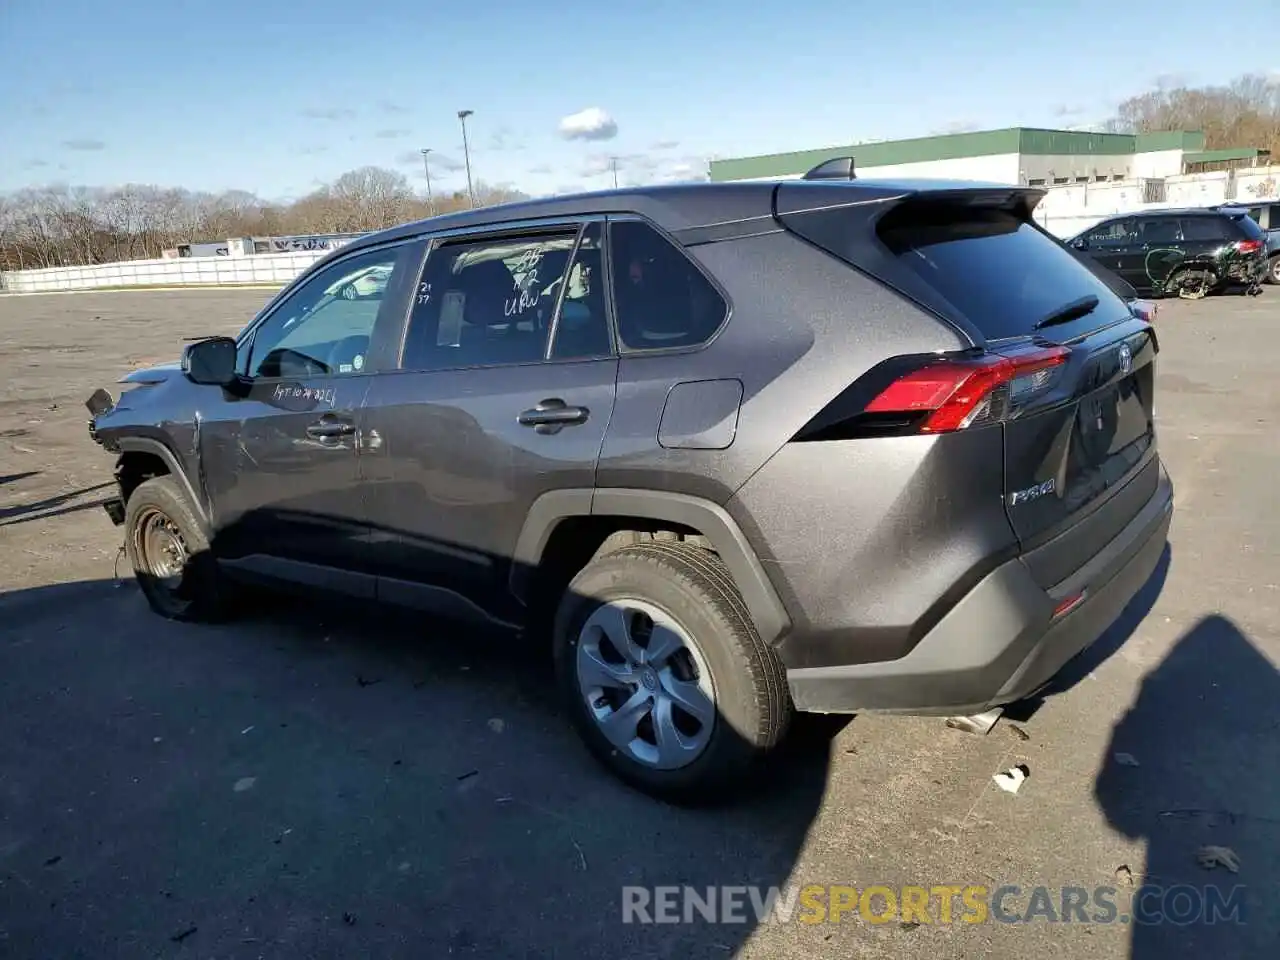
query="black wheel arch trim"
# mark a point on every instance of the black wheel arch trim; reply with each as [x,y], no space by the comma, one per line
[165,453]
[711,520]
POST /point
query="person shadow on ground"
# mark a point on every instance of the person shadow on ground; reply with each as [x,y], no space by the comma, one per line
[1193,769]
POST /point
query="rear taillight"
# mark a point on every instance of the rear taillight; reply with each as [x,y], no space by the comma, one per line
[947,395]
[1248,246]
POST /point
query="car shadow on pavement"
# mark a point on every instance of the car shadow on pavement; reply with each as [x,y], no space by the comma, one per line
[15,477]
[52,506]
[1193,769]
[322,780]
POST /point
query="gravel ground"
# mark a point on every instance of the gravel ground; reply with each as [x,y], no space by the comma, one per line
[316,782]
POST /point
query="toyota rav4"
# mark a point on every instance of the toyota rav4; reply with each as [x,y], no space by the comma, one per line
[825,445]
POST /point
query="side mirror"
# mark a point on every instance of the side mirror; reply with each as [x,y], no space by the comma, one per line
[1080,243]
[211,362]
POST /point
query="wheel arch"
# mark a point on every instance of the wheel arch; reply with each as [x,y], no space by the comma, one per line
[586,518]
[132,448]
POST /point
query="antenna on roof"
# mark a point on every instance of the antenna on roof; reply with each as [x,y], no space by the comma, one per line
[839,168]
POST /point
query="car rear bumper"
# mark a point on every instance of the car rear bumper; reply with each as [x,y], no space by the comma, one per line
[1001,642]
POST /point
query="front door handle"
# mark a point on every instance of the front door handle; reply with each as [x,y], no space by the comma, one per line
[552,415]
[330,429]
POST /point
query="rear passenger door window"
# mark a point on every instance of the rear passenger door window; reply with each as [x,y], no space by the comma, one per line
[581,328]
[484,303]
[1160,230]
[661,299]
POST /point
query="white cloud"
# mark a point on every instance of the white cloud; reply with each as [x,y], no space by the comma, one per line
[589,124]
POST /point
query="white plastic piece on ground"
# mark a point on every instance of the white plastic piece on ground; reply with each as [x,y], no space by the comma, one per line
[1010,780]
[979,723]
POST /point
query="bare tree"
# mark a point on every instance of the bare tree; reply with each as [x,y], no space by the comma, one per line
[1244,113]
[61,225]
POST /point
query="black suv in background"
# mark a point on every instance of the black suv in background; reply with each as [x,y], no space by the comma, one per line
[737,449]
[1187,253]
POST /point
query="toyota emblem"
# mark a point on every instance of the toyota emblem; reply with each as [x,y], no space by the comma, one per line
[1126,359]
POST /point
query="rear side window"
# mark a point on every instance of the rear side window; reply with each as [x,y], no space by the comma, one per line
[661,298]
[1207,228]
[993,266]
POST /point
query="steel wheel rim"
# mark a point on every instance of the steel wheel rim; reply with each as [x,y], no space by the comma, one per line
[162,550]
[645,684]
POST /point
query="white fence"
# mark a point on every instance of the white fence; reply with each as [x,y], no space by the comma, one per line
[1069,209]
[265,268]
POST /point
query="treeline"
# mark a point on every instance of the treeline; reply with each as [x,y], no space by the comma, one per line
[62,225]
[1243,113]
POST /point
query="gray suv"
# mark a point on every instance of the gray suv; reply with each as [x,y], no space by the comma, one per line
[739,450]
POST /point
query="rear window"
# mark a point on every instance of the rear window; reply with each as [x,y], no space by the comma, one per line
[995,268]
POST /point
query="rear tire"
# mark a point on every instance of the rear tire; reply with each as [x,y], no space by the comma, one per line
[1191,283]
[683,593]
[169,551]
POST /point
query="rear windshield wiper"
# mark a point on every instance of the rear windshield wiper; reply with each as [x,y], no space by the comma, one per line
[1072,311]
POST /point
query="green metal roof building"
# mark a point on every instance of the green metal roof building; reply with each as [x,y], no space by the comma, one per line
[1024,155]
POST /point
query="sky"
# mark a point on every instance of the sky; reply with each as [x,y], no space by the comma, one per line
[278,98]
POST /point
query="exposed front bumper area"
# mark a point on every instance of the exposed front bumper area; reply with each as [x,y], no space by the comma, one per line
[1001,642]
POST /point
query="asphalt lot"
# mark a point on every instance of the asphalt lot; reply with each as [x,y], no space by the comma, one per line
[315,782]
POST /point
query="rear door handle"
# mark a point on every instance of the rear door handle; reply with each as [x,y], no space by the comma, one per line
[551,415]
[330,429]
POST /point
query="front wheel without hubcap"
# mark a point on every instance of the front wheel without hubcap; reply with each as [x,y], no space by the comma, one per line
[663,673]
[170,554]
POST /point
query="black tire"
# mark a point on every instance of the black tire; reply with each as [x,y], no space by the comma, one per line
[1209,282]
[1273,269]
[691,585]
[200,592]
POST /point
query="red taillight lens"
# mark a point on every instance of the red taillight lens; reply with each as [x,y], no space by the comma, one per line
[961,393]
[1249,246]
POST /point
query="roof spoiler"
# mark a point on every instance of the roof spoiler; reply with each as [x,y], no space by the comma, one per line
[838,168]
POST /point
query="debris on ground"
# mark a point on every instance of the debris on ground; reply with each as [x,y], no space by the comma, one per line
[246,730]
[1126,760]
[1018,732]
[1210,857]
[365,682]
[349,919]
[497,724]
[183,934]
[245,783]
[1010,780]
[468,775]
[53,861]
[1124,876]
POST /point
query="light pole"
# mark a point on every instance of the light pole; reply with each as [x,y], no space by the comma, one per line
[466,152]
[426,168]
[613,162]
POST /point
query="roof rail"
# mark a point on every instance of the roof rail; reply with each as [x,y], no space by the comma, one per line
[838,168]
